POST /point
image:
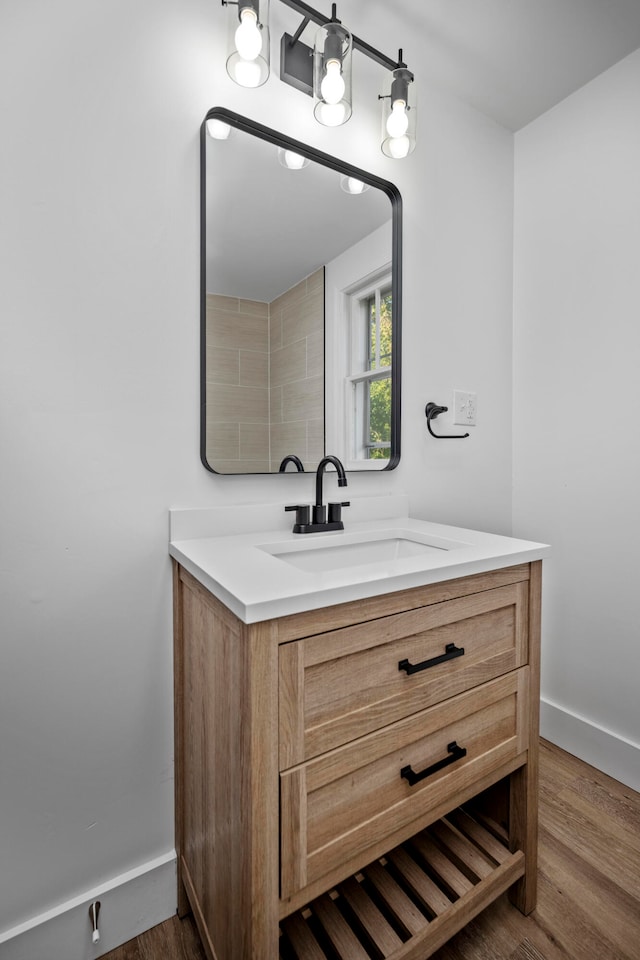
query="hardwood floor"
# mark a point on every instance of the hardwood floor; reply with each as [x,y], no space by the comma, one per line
[588,883]
[172,940]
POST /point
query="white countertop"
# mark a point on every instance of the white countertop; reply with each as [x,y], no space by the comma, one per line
[239,567]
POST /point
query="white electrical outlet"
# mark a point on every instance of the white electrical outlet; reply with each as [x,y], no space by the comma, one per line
[465,408]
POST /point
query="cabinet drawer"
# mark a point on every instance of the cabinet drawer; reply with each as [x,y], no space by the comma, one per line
[335,807]
[339,685]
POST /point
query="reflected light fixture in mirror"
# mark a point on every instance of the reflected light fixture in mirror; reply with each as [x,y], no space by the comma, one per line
[248,41]
[353,185]
[322,71]
[218,129]
[292,160]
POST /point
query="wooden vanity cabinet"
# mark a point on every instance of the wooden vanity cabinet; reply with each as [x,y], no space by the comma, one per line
[357,781]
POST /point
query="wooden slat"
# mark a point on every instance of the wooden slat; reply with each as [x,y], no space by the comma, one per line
[302,939]
[382,934]
[401,906]
[431,896]
[462,849]
[485,840]
[343,939]
[497,830]
[463,910]
[442,865]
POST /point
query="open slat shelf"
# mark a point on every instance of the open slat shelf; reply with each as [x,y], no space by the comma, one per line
[405,905]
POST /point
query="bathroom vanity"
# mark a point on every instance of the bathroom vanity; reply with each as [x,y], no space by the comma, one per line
[356,745]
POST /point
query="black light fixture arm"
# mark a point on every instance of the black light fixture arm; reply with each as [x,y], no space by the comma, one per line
[294,39]
[321,19]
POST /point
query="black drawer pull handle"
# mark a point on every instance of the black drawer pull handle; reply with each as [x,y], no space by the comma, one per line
[455,753]
[450,652]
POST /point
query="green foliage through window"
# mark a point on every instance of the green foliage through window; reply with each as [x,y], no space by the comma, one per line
[378,430]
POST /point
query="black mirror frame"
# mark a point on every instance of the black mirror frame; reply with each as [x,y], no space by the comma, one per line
[281,140]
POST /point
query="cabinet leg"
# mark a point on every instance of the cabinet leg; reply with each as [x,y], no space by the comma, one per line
[523,806]
[184,907]
[523,832]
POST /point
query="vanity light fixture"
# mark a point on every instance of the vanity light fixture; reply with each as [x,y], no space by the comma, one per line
[322,71]
[332,74]
[248,43]
[399,114]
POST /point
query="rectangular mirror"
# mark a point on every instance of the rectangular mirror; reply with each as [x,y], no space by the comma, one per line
[300,304]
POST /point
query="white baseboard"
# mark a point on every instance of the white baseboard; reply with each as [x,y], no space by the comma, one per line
[607,751]
[129,904]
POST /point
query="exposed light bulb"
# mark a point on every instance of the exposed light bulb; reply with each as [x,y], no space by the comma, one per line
[399,146]
[248,37]
[247,73]
[332,87]
[398,121]
[218,129]
[294,161]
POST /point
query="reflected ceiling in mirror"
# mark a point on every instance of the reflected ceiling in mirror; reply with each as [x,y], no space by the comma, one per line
[300,311]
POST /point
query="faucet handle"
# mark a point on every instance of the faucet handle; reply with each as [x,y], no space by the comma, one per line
[302,512]
[335,510]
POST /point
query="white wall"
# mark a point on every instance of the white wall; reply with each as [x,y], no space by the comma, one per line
[100,106]
[457,319]
[576,446]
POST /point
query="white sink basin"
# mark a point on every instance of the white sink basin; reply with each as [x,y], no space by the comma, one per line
[342,551]
[249,558]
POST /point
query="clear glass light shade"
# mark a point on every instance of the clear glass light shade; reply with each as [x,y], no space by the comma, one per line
[399,115]
[248,42]
[332,75]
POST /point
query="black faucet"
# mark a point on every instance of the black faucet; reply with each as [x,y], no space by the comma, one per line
[291,458]
[319,522]
[319,510]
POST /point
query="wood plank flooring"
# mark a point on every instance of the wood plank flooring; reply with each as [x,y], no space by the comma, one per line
[588,882]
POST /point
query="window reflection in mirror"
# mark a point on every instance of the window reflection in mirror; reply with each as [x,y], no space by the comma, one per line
[300,305]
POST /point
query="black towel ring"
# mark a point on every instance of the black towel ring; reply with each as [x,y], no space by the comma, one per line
[433,410]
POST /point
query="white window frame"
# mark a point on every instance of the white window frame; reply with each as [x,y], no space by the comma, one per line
[356,320]
[352,272]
